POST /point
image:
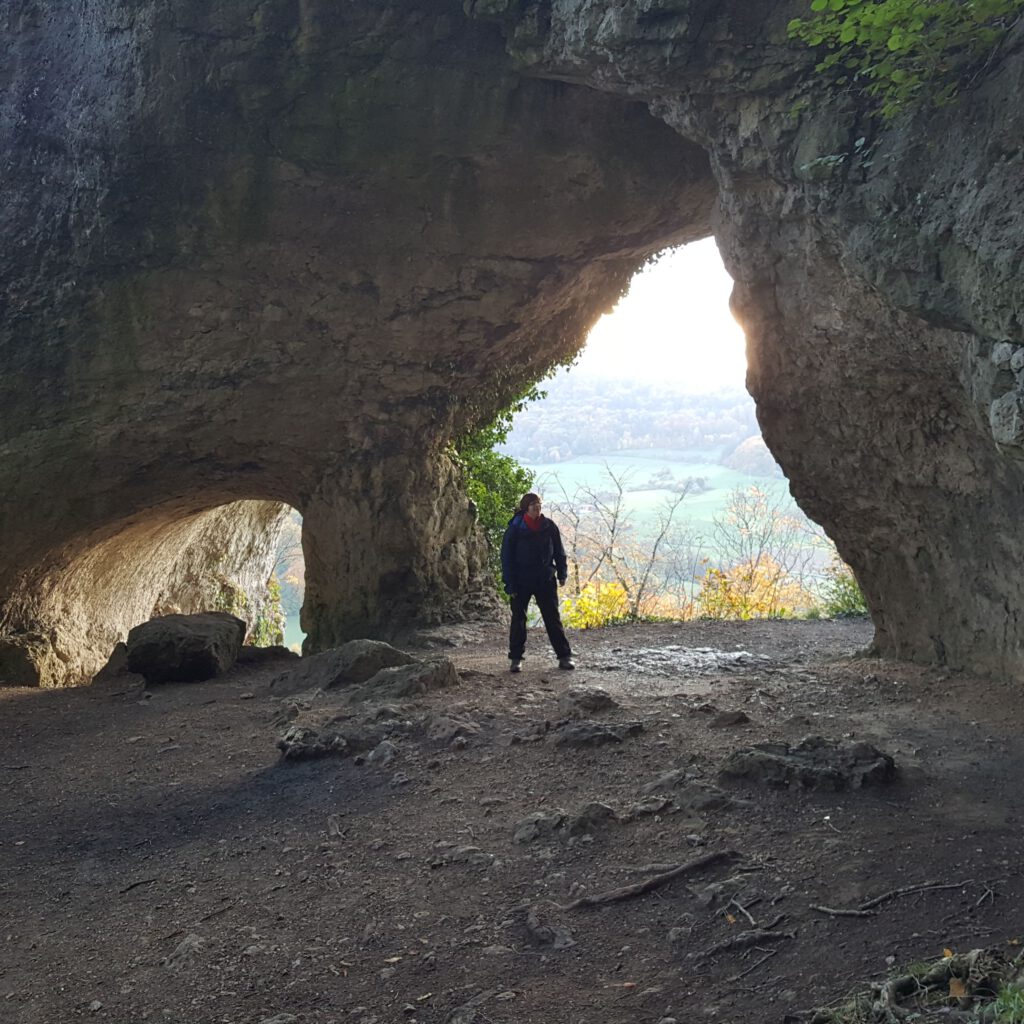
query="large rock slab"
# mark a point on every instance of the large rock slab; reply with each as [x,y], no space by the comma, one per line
[352,663]
[185,648]
[813,763]
[412,680]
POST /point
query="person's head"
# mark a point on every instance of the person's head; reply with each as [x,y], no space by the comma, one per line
[530,503]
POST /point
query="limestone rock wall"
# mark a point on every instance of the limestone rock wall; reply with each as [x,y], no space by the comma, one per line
[282,252]
[877,274]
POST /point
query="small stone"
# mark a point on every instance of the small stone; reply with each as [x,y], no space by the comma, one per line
[1002,354]
[648,806]
[593,734]
[536,825]
[95,1005]
[814,762]
[1017,362]
[188,945]
[579,701]
[384,753]
[1006,419]
[590,817]
[726,719]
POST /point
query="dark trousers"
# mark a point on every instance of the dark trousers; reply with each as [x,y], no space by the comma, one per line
[546,595]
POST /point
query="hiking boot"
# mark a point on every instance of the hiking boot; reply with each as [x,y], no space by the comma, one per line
[516,666]
[567,664]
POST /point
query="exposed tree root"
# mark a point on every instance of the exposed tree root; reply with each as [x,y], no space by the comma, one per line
[965,981]
[654,882]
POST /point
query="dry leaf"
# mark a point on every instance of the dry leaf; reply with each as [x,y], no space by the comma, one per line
[957,989]
[393,960]
[947,953]
[1013,942]
[730,918]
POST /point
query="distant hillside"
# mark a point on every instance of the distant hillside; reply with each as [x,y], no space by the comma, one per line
[596,416]
[753,458]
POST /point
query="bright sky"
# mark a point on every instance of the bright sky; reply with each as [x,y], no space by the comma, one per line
[674,324]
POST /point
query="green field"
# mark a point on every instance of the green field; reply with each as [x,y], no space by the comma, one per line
[638,466]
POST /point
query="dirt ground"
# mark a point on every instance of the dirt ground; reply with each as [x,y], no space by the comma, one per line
[161,862]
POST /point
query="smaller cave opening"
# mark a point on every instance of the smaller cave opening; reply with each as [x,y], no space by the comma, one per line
[70,613]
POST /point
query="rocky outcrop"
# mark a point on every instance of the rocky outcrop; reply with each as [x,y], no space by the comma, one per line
[351,664]
[877,273]
[286,252]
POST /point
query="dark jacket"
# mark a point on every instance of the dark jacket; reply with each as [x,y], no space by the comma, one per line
[531,557]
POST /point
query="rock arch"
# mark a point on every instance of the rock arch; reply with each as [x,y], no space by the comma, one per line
[287,254]
[287,250]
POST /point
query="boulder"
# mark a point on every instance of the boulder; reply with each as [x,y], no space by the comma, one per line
[591,817]
[592,734]
[580,701]
[348,665]
[814,762]
[412,680]
[116,672]
[250,655]
[185,648]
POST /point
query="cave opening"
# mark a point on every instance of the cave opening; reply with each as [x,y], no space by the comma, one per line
[648,453]
[173,558]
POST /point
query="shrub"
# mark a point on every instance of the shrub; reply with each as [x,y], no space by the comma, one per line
[840,592]
[899,51]
[598,604]
[494,482]
[757,589]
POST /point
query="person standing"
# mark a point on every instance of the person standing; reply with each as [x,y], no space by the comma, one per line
[531,557]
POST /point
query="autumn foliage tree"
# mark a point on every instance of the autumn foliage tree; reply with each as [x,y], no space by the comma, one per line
[767,555]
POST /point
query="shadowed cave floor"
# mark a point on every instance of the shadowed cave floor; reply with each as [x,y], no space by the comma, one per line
[160,863]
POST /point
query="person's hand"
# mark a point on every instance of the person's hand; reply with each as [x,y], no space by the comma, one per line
[561,581]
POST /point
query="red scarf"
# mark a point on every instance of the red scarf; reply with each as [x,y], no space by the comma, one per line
[533,524]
